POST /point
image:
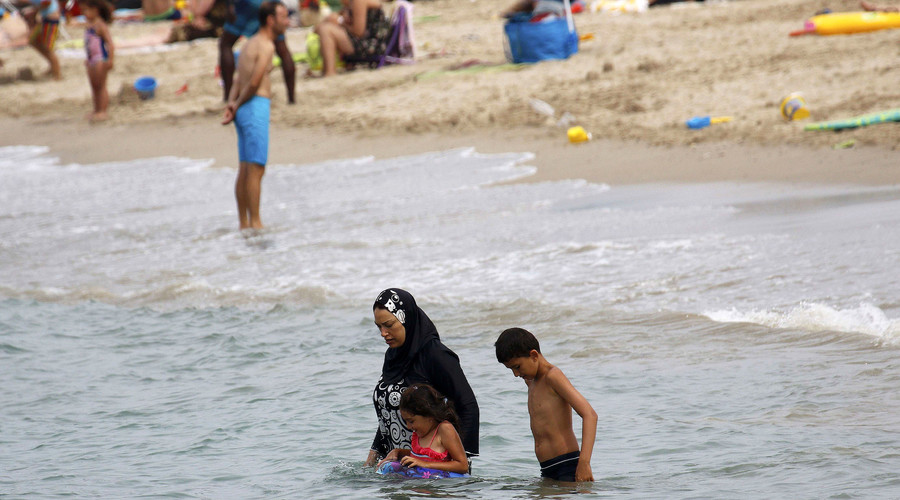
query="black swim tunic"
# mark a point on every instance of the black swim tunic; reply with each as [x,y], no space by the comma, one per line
[438,366]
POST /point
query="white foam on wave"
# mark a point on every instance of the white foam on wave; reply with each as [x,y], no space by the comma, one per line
[866,319]
[31,156]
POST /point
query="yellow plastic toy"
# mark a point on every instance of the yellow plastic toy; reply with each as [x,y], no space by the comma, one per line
[844,23]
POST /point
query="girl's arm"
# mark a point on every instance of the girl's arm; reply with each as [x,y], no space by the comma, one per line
[567,391]
[451,442]
[110,46]
[394,456]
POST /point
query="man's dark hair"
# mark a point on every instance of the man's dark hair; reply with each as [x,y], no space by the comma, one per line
[267,9]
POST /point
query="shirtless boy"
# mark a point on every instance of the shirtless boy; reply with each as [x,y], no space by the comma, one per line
[248,106]
[551,399]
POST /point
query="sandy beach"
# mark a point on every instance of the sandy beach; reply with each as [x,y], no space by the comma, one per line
[632,86]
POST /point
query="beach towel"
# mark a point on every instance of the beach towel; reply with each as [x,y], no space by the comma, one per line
[401,48]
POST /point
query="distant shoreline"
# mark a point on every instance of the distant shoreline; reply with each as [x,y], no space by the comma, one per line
[599,161]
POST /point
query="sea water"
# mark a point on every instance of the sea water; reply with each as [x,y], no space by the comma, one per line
[736,340]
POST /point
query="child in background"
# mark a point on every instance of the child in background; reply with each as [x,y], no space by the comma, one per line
[432,419]
[43,20]
[551,399]
[100,52]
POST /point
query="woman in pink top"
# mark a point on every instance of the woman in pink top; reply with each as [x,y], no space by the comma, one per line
[432,419]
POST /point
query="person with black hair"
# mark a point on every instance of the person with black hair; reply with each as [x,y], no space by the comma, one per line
[431,417]
[415,355]
[551,399]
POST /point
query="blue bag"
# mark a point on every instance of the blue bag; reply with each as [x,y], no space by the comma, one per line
[533,42]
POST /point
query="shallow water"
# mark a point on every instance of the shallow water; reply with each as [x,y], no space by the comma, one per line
[735,340]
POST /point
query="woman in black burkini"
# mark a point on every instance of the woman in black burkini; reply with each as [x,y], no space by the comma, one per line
[415,354]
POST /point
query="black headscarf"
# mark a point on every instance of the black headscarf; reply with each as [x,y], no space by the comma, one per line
[419,332]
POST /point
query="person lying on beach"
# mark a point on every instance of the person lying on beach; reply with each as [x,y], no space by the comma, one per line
[870,7]
[551,399]
[431,417]
[358,34]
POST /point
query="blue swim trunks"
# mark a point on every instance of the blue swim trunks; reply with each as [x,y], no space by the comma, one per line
[252,124]
[246,18]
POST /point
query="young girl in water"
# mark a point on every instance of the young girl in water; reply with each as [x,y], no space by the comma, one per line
[433,421]
[99,47]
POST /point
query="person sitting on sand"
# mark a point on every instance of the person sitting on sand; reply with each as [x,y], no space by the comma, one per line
[870,7]
[359,34]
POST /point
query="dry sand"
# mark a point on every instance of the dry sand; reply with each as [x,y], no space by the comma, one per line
[632,87]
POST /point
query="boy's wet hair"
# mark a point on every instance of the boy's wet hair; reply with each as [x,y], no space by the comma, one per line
[267,9]
[515,343]
[426,401]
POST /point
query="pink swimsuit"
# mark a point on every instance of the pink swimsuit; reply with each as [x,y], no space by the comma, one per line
[427,453]
[95,46]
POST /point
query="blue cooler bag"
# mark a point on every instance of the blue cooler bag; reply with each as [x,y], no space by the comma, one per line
[533,42]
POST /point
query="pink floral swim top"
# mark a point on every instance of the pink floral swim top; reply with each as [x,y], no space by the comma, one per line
[427,453]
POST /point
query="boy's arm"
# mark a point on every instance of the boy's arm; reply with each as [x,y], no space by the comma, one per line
[567,391]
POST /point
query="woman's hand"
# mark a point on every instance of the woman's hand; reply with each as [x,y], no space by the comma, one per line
[370,460]
[392,456]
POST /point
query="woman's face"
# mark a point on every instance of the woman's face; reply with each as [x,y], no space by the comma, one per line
[392,330]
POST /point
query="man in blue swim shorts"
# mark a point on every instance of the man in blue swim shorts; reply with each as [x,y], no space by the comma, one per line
[246,23]
[248,108]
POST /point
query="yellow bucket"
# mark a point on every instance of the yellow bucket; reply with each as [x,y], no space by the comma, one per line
[793,107]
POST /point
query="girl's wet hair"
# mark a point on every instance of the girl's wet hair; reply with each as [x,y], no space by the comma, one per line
[104,8]
[426,401]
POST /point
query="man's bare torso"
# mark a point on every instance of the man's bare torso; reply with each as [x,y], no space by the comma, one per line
[247,61]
